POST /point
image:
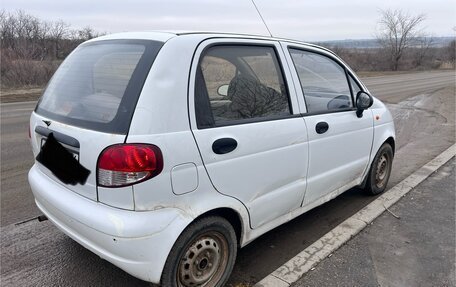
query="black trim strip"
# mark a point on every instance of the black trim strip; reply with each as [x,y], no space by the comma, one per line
[62,138]
[252,121]
[328,112]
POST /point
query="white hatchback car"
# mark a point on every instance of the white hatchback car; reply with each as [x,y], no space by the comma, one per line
[165,152]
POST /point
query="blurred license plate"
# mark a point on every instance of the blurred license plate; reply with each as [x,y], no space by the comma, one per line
[75,155]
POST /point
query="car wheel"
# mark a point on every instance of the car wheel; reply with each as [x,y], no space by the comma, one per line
[380,170]
[203,255]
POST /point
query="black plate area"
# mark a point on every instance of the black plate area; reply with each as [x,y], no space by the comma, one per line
[62,162]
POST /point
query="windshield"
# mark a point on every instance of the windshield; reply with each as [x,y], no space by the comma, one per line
[98,85]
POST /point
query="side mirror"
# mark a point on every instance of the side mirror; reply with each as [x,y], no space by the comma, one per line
[363,102]
[223,90]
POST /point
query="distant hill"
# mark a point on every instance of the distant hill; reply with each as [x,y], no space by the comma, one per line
[373,43]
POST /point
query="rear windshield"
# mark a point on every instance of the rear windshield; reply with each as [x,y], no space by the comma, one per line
[98,85]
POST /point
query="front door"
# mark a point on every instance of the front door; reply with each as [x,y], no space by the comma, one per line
[339,141]
[247,125]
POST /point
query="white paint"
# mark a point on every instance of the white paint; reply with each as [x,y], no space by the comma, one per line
[184,178]
[121,197]
[268,168]
[91,144]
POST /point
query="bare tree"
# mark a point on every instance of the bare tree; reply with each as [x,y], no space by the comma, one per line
[422,45]
[58,31]
[87,33]
[451,51]
[396,33]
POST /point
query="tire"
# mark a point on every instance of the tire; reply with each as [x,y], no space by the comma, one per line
[203,255]
[380,170]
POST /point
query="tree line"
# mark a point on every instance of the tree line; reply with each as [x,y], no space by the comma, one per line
[404,45]
[32,49]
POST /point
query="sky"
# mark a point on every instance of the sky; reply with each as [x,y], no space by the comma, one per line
[307,20]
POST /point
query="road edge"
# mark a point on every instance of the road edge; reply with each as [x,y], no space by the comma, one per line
[304,261]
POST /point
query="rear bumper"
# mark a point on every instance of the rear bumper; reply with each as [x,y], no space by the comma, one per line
[137,242]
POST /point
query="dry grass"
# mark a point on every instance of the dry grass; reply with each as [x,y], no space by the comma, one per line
[19,73]
[20,95]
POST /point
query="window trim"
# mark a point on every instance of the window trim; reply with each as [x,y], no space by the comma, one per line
[337,61]
[279,66]
[328,112]
[361,89]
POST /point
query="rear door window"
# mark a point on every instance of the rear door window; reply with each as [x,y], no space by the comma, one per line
[98,85]
[238,84]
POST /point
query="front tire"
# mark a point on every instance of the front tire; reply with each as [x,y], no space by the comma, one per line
[203,255]
[380,171]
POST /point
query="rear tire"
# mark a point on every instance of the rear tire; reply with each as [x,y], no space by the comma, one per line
[380,170]
[203,255]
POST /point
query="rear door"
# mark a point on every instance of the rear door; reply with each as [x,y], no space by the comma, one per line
[89,103]
[339,141]
[246,121]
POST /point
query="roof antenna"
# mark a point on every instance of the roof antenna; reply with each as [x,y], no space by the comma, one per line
[262,19]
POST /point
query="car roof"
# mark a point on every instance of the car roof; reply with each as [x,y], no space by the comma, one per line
[166,35]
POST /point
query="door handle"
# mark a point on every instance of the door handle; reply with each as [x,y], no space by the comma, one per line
[224,145]
[321,127]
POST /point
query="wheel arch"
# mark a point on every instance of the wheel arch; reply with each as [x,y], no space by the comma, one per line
[231,215]
[388,138]
[391,142]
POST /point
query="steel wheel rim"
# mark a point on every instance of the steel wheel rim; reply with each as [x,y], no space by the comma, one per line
[382,171]
[204,261]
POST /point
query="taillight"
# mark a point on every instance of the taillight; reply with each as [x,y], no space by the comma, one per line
[127,164]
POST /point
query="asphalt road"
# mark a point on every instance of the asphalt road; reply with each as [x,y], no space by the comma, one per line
[423,105]
[16,157]
[415,248]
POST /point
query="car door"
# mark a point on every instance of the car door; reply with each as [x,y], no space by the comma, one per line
[339,141]
[248,127]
